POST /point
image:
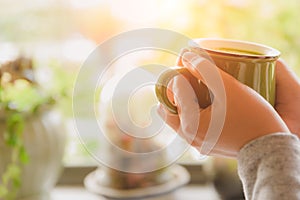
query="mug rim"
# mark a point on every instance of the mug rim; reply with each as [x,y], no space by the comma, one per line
[266,51]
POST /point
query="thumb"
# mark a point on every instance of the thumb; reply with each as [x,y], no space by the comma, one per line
[207,72]
[214,78]
[287,83]
[284,75]
[187,104]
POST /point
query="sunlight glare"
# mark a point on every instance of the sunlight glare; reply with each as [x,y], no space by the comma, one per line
[136,11]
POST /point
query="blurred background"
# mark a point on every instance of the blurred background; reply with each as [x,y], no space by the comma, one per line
[59,35]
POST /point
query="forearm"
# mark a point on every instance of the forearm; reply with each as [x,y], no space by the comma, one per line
[269,167]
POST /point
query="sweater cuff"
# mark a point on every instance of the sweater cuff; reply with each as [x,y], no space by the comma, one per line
[261,147]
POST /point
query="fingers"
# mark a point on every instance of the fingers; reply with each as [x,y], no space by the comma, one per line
[288,96]
[192,61]
[171,119]
[179,58]
[188,107]
[209,129]
[187,121]
[284,74]
[206,71]
[287,83]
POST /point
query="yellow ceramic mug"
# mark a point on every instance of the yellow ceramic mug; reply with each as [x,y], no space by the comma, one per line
[251,63]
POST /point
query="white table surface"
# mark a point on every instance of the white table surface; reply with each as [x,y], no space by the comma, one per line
[188,192]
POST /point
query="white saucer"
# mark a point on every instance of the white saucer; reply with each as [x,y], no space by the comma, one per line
[180,177]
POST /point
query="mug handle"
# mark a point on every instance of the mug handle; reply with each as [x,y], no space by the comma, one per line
[201,90]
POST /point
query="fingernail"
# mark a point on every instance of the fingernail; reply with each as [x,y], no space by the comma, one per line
[189,57]
[183,50]
[179,57]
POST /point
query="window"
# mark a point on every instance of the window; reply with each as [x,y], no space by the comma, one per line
[63,33]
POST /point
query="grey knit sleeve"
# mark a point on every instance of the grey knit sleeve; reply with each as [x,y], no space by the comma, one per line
[269,167]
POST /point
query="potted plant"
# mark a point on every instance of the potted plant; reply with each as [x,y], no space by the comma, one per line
[31,136]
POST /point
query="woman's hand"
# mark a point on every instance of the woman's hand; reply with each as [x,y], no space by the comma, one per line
[247,115]
[288,97]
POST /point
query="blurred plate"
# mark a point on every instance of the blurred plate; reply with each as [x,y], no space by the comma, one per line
[180,177]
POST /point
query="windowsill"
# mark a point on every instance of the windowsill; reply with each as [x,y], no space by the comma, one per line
[191,191]
[74,175]
[70,185]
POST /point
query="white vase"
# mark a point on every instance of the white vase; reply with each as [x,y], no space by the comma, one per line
[44,140]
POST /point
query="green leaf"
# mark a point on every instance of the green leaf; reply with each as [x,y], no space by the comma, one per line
[24,157]
[16,181]
[13,171]
[3,191]
[11,138]
[15,126]
[1,94]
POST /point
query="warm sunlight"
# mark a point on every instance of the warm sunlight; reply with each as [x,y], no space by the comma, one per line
[68,56]
[145,13]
